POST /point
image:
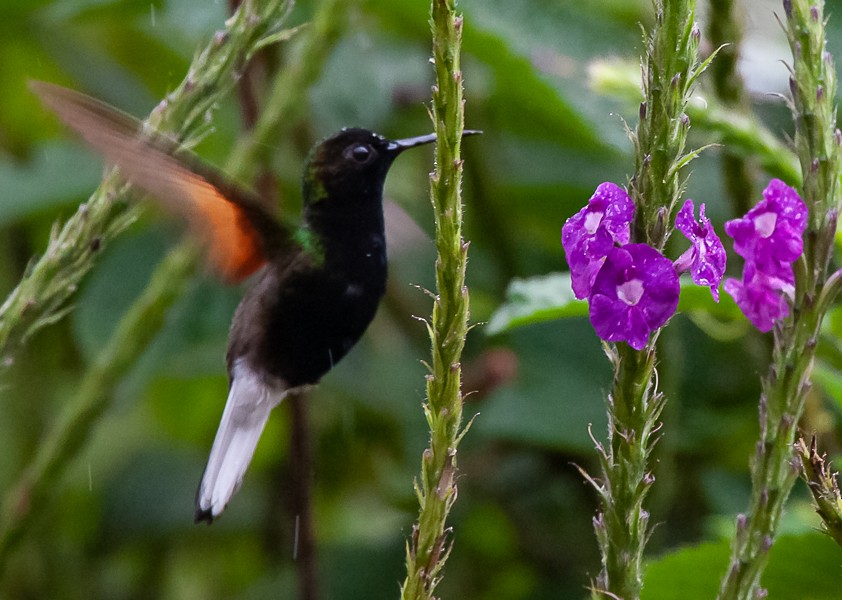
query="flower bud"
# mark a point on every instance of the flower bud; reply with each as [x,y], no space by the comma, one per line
[695,34]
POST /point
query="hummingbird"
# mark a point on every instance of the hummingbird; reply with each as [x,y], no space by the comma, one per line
[316,286]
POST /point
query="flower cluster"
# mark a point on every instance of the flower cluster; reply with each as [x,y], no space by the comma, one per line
[768,237]
[632,289]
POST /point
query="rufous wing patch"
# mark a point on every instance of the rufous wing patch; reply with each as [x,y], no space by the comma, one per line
[232,224]
[234,246]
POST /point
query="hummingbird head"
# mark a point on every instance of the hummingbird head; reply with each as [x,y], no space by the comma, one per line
[352,164]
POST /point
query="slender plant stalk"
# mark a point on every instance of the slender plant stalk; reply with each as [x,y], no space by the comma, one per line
[41,296]
[774,468]
[669,73]
[634,404]
[621,525]
[301,498]
[299,505]
[428,548]
[96,391]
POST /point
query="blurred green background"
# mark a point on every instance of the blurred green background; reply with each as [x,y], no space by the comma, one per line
[119,524]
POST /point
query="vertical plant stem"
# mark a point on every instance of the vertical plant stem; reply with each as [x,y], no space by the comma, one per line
[428,548]
[96,392]
[301,505]
[774,468]
[669,72]
[634,404]
[621,526]
[300,456]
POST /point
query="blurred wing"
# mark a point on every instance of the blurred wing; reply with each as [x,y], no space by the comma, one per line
[240,234]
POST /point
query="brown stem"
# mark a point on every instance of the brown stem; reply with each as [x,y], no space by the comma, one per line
[300,510]
[301,499]
[725,29]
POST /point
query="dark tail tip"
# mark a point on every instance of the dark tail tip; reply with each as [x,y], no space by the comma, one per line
[205,515]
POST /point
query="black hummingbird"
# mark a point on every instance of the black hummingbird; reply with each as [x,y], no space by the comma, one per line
[317,286]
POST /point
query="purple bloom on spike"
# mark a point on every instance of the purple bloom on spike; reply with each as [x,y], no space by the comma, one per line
[634,293]
[769,238]
[770,234]
[761,297]
[589,235]
[705,259]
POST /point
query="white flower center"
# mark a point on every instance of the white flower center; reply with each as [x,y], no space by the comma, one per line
[764,224]
[630,292]
[592,221]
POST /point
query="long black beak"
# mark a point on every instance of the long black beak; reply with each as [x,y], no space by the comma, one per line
[399,146]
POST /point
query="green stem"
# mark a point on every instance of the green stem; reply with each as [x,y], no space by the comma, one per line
[621,527]
[428,548]
[95,397]
[784,388]
[634,404]
[668,77]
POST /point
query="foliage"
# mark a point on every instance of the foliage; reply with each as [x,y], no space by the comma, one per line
[118,523]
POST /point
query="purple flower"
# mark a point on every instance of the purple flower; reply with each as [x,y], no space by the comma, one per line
[589,235]
[634,293]
[706,257]
[770,234]
[769,238]
[762,297]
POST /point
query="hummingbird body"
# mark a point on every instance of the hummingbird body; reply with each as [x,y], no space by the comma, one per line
[309,308]
[317,287]
[306,311]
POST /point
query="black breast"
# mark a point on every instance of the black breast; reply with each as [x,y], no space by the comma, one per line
[306,318]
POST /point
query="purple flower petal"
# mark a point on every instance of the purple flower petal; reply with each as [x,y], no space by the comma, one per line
[770,233]
[634,293]
[769,238]
[589,235]
[706,257]
[762,298]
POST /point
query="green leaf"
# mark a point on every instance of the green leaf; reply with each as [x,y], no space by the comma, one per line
[698,300]
[550,297]
[537,299]
[58,174]
[559,391]
[803,566]
[122,274]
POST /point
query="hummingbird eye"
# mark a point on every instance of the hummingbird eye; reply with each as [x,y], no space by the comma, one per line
[359,153]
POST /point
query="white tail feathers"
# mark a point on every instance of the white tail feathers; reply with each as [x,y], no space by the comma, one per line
[250,400]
